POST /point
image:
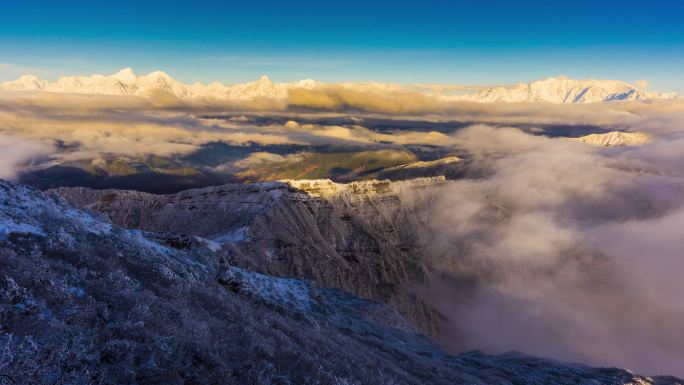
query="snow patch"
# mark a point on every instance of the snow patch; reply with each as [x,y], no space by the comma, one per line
[209,244]
[234,236]
[138,236]
[287,292]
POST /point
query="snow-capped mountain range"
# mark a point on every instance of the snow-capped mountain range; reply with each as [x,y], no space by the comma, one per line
[560,90]
[126,82]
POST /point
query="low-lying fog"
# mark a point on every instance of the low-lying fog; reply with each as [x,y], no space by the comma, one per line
[564,250]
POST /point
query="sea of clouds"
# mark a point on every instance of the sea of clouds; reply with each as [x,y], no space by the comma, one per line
[548,246]
[564,250]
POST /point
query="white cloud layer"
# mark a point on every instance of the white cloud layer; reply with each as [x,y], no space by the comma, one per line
[563,250]
[16,153]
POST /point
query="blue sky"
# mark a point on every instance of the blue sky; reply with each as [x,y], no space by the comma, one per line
[458,42]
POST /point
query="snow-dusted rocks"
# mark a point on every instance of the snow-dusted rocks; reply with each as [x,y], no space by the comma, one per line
[338,235]
[562,90]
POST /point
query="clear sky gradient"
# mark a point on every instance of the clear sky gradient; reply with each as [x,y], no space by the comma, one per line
[456,42]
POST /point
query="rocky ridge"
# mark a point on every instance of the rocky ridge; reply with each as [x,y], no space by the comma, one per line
[364,237]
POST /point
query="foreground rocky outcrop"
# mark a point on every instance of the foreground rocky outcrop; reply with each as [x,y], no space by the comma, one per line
[84,301]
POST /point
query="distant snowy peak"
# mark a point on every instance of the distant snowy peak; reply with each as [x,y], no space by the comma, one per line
[562,90]
[25,83]
[365,189]
[615,139]
[558,90]
[262,88]
[126,75]
[124,82]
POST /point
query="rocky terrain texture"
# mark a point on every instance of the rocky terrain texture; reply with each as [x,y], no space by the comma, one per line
[84,301]
[364,237]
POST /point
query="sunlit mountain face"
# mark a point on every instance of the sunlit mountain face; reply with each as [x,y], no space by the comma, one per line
[405,193]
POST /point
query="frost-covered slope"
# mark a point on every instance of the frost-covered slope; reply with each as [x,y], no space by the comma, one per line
[110,306]
[25,83]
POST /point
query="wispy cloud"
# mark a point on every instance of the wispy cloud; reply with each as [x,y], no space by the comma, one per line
[17,152]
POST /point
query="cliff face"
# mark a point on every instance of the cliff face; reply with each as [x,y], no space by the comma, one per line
[210,212]
[364,237]
[84,301]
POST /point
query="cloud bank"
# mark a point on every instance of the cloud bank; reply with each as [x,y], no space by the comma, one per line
[16,153]
[92,126]
[558,249]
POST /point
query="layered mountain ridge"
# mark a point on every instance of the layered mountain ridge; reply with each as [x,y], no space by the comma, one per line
[558,90]
[362,237]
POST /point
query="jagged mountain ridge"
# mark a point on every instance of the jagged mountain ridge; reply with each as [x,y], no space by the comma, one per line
[82,301]
[562,90]
[558,90]
[362,237]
